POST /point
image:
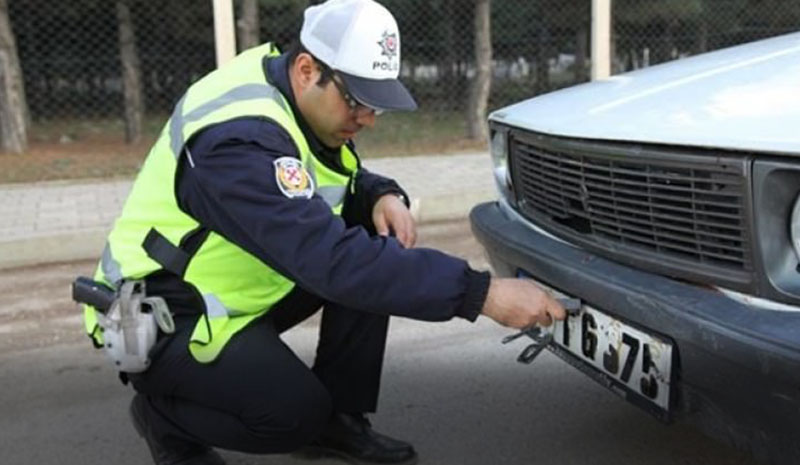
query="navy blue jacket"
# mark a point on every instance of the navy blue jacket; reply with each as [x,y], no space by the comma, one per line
[230,188]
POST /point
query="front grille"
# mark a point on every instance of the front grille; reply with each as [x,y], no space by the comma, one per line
[649,204]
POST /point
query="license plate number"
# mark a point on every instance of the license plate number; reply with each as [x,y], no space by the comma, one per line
[628,358]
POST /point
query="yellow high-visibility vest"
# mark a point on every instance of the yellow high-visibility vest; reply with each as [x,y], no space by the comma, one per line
[235,286]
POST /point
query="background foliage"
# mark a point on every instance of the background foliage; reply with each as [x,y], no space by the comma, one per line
[70,56]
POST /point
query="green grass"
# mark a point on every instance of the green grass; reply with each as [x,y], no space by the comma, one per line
[65,131]
[418,133]
[395,134]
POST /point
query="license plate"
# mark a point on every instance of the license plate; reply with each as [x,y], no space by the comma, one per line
[633,362]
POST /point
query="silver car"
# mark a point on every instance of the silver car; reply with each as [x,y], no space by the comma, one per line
[666,201]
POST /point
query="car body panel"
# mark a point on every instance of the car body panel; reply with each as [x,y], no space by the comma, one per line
[715,100]
[736,361]
[739,369]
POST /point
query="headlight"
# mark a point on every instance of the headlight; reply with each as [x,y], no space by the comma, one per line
[795,227]
[499,150]
[776,211]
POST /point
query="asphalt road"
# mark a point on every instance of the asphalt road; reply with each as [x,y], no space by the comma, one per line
[450,388]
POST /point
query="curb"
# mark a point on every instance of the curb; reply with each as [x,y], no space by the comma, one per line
[66,247]
[449,207]
[88,244]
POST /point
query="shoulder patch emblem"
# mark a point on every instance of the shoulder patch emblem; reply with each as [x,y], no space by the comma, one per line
[292,178]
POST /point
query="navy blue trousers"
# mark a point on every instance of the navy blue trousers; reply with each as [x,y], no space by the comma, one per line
[257,396]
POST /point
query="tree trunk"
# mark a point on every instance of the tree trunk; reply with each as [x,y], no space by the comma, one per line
[13,107]
[248,25]
[581,42]
[449,77]
[481,84]
[672,29]
[131,74]
[542,60]
[701,46]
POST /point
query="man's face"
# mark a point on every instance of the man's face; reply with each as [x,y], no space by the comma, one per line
[324,107]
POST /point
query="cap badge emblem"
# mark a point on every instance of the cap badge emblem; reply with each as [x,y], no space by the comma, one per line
[388,44]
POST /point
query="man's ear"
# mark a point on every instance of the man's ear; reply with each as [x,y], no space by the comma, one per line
[305,70]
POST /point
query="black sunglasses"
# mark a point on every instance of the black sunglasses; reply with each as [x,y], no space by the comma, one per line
[352,103]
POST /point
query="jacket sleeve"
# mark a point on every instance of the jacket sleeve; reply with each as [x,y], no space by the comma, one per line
[231,188]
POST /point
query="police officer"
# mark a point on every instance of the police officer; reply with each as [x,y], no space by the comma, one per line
[251,212]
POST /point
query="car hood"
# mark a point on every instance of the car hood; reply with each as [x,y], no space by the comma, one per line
[742,98]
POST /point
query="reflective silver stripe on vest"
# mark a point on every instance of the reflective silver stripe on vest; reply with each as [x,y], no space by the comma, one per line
[214,308]
[312,171]
[333,195]
[112,271]
[176,128]
[237,94]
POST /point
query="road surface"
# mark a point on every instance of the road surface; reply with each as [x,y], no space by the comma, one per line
[450,388]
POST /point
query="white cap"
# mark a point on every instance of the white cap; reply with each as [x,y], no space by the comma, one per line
[360,40]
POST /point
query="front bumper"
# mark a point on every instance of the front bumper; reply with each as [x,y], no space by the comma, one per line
[738,367]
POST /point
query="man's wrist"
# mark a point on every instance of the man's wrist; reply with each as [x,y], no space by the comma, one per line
[397,195]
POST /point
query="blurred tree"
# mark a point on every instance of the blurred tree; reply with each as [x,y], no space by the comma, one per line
[718,24]
[581,53]
[538,31]
[281,20]
[437,39]
[13,108]
[448,60]
[70,55]
[131,74]
[248,24]
[481,83]
[765,18]
[542,56]
[664,27]
[177,49]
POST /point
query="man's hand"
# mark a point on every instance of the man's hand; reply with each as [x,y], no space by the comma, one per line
[519,303]
[391,214]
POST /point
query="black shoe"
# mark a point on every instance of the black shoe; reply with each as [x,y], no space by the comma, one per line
[352,438]
[169,451]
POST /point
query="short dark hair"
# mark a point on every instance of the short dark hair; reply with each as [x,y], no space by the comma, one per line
[326,73]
